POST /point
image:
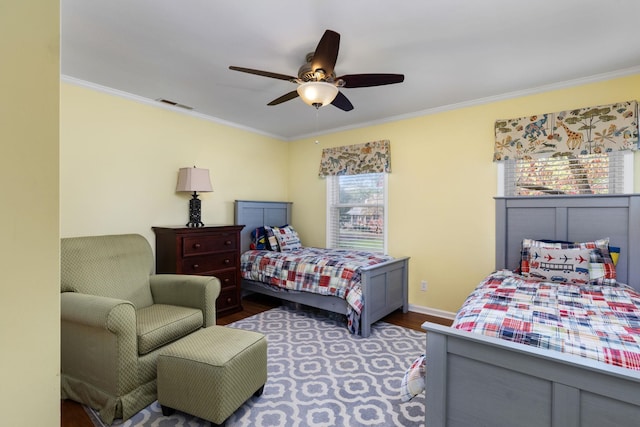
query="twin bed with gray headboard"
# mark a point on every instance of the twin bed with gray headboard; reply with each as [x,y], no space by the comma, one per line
[384,286]
[474,380]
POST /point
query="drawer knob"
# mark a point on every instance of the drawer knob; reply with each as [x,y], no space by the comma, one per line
[226,280]
[229,300]
[196,246]
[227,261]
[196,266]
[227,242]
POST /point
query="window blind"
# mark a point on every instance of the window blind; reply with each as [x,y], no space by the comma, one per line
[583,174]
[356,212]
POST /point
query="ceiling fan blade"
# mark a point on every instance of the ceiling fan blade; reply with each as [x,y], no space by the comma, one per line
[263,73]
[342,102]
[326,53]
[286,97]
[367,80]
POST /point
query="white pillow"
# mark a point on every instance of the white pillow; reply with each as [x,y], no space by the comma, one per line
[560,265]
[287,237]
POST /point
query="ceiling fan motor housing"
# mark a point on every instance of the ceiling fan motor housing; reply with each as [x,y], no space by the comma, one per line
[307,74]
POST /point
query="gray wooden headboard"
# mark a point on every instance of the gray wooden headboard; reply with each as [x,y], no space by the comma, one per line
[254,214]
[571,218]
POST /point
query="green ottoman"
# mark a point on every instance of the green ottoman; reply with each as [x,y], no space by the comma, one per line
[212,372]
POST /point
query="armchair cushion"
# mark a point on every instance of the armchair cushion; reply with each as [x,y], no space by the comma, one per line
[161,324]
[188,291]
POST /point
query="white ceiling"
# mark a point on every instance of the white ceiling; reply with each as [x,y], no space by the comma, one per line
[452,53]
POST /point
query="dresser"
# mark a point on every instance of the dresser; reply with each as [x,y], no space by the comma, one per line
[207,251]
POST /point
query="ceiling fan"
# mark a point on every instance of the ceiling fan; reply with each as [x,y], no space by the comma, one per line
[317,81]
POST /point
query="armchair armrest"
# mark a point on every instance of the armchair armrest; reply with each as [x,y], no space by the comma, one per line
[98,341]
[91,310]
[188,291]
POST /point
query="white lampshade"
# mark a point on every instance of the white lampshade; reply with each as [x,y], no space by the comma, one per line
[317,94]
[194,179]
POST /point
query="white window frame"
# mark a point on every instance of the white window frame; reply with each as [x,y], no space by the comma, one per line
[628,178]
[329,204]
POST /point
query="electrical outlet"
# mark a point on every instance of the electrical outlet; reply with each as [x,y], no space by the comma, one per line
[423,285]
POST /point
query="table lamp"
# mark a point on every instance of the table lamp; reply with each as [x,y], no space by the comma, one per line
[194,179]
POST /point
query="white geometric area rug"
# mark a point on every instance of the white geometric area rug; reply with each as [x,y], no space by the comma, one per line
[319,375]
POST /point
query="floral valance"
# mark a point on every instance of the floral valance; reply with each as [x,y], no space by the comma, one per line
[591,130]
[370,157]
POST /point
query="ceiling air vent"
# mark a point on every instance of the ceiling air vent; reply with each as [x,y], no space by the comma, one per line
[173,103]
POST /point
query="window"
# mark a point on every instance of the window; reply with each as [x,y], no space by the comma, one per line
[610,173]
[356,217]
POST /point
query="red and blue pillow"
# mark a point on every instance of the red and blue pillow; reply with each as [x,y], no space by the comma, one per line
[258,239]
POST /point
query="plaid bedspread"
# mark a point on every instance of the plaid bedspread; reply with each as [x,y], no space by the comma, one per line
[322,271]
[597,322]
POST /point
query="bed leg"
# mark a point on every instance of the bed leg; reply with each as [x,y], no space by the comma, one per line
[405,286]
[365,330]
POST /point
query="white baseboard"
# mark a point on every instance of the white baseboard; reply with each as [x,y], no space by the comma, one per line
[432,311]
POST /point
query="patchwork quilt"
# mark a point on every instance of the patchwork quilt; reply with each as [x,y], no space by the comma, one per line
[600,322]
[322,271]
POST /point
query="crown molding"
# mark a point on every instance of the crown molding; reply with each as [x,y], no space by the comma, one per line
[480,101]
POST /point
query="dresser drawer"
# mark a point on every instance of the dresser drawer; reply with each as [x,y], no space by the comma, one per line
[198,245]
[208,263]
[227,278]
[227,299]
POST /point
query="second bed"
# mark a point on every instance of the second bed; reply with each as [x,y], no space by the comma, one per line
[377,284]
[580,359]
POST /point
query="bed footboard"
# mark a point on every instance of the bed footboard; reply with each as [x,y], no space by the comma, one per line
[476,380]
[385,289]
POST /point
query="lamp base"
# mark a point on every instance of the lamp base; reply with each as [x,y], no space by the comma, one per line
[194,212]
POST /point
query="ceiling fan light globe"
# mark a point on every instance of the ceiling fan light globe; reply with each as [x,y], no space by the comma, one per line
[314,93]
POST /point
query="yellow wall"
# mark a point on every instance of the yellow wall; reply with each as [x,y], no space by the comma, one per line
[119,162]
[29,256]
[441,189]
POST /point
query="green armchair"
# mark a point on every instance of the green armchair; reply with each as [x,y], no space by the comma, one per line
[116,317]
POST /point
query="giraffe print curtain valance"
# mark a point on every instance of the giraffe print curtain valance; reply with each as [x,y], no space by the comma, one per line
[591,130]
[370,157]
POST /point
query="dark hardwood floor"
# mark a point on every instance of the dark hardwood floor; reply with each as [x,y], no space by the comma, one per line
[73,415]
